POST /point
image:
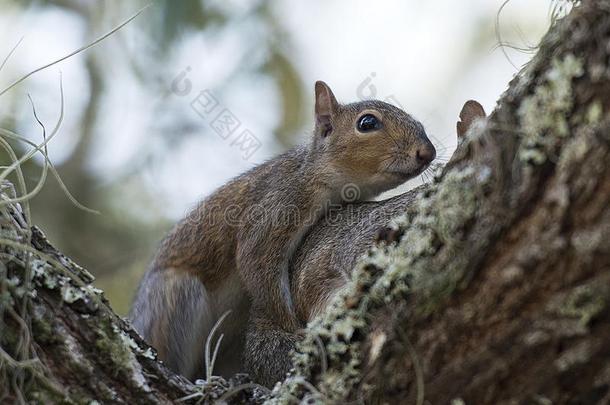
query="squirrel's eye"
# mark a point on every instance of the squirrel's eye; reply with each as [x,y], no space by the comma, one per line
[368,122]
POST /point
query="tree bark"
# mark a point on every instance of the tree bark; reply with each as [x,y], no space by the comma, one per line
[498,288]
[493,288]
[60,340]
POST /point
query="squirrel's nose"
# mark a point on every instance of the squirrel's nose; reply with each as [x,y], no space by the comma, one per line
[425,154]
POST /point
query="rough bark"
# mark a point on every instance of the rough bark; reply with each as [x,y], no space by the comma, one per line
[62,343]
[498,289]
[494,288]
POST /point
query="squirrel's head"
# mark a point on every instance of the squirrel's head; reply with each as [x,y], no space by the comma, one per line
[371,144]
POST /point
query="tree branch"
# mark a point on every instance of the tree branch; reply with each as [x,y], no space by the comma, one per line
[492,287]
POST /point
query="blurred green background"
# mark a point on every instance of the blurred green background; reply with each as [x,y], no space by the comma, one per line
[132,147]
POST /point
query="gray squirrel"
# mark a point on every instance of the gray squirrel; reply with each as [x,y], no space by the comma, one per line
[234,251]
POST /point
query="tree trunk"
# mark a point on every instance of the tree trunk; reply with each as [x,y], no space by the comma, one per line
[494,288]
[497,290]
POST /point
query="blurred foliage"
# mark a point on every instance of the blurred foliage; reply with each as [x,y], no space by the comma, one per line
[288,80]
[178,16]
[117,245]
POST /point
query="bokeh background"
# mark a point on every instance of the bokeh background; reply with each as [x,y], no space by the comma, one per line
[131,145]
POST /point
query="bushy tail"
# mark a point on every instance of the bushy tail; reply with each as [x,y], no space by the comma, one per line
[174,313]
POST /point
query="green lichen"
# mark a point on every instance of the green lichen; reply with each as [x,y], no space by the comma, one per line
[43,330]
[119,353]
[45,276]
[71,294]
[37,396]
[440,222]
[544,114]
[30,273]
[454,208]
[586,241]
[132,345]
[595,112]
[389,274]
[585,303]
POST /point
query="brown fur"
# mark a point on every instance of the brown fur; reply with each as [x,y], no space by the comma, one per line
[319,269]
[322,264]
[471,111]
[243,260]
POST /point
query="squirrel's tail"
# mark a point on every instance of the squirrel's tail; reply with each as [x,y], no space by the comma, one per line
[174,313]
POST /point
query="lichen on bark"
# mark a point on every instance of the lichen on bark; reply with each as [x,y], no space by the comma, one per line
[544,114]
[545,124]
[56,325]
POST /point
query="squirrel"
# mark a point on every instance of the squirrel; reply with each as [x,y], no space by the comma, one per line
[321,265]
[234,250]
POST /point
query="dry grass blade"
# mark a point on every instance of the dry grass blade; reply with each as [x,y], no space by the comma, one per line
[19,174]
[43,145]
[43,176]
[501,43]
[42,148]
[8,56]
[209,362]
[11,135]
[79,50]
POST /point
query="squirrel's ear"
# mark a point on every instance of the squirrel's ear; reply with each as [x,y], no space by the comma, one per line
[326,105]
[471,111]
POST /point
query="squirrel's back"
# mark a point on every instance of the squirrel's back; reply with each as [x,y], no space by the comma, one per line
[192,280]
